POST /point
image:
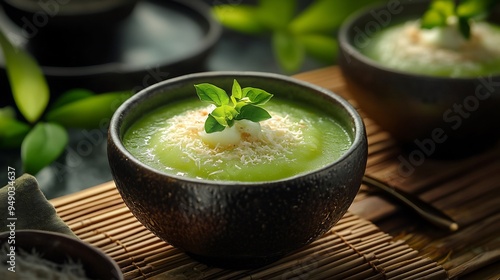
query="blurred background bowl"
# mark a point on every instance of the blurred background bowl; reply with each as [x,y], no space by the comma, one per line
[441,116]
[68,14]
[130,51]
[59,248]
[238,223]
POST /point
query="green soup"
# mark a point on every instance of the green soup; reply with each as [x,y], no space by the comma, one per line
[437,51]
[295,140]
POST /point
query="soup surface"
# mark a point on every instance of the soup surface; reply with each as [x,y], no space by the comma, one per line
[437,51]
[295,140]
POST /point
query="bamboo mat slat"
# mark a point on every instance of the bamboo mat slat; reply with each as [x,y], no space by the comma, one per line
[466,189]
[354,249]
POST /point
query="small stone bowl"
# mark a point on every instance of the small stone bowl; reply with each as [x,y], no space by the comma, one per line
[238,224]
[430,116]
[57,248]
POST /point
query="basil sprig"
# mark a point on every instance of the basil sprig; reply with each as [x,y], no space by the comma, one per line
[465,11]
[243,104]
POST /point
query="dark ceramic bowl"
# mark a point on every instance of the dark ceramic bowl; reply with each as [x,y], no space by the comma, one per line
[59,248]
[435,116]
[240,223]
[69,14]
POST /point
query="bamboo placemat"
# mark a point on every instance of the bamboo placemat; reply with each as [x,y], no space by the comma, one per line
[466,189]
[354,249]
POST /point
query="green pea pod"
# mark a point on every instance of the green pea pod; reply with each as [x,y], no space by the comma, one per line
[28,84]
[43,145]
[88,113]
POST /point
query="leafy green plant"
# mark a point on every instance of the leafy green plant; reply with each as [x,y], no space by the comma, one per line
[294,34]
[42,135]
[465,11]
[244,104]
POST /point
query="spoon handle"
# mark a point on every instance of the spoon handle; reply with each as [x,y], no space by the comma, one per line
[425,210]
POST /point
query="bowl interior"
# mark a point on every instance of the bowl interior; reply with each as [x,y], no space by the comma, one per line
[281,86]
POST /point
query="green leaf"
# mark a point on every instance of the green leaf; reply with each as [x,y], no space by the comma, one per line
[464,27]
[213,94]
[444,7]
[433,19]
[322,47]
[243,106]
[224,114]
[438,13]
[256,96]
[27,81]
[253,113]
[326,16]
[236,91]
[473,9]
[239,17]
[212,125]
[89,112]
[276,14]
[288,50]
[43,144]
[8,112]
[12,132]
[71,96]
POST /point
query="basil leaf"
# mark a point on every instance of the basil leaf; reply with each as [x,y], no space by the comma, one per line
[212,125]
[288,50]
[438,13]
[236,91]
[444,7]
[212,94]
[256,96]
[12,132]
[43,144]
[253,113]
[27,81]
[71,96]
[432,19]
[224,114]
[276,14]
[474,8]
[322,47]
[89,112]
[239,17]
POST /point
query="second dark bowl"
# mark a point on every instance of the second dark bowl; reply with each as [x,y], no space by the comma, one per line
[436,116]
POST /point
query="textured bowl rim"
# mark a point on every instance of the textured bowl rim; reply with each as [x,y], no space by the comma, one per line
[116,121]
[53,236]
[348,49]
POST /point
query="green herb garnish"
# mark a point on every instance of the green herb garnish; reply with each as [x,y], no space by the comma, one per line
[244,104]
[464,11]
